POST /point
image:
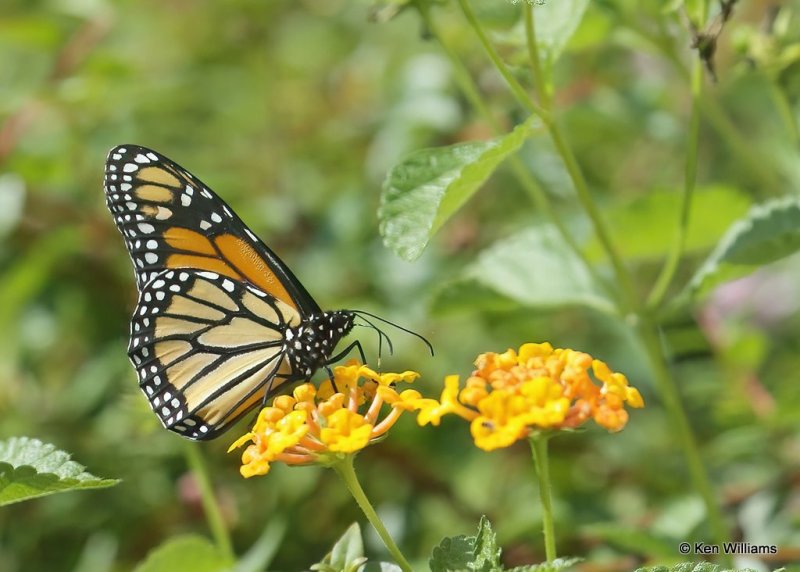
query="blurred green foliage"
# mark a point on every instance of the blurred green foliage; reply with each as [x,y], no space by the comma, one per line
[294,112]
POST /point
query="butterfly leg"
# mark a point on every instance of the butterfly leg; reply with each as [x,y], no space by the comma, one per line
[338,357]
[330,377]
[356,344]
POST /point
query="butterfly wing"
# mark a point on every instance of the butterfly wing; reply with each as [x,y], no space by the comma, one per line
[204,347]
[171,220]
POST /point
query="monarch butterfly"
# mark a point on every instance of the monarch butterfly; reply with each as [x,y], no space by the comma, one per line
[220,320]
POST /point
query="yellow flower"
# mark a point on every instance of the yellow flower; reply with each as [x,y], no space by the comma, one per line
[318,425]
[537,387]
[347,432]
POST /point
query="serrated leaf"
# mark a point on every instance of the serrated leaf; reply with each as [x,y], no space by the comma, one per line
[189,553]
[536,268]
[30,469]
[691,567]
[424,190]
[478,553]
[487,553]
[453,553]
[768,232]
[555,565]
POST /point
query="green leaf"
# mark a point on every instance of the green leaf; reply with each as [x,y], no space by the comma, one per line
[769,232]
[651,219]
[188,553]
[557,564]
[478,553]
[556,23]
[465,294]
[691,567]
[347,554]
[30,469]
[536,268]
[487,553]
[424,190]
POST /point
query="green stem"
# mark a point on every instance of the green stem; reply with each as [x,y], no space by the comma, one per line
[539,449]
[689,182]
[682,431]
[542,85]
[519,92]
[629,301]
[528,183]
[211,508]
[344,468]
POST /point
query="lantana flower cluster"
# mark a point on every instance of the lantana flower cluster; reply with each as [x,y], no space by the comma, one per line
[513,393]
[319,426]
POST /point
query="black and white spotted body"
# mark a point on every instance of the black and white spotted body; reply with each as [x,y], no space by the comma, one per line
[309,346]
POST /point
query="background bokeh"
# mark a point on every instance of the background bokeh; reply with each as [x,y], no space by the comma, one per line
[293,112]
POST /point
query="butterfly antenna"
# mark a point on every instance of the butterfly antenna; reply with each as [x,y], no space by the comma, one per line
[381,336]
[363,313]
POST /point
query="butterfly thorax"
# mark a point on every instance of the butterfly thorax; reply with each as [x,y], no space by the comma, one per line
[309,345]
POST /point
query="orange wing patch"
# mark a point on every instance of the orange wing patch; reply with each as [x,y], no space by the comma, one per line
[189,241]
[154,193]
[158,175]
[246,260]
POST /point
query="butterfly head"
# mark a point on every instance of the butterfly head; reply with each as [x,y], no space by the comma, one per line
[309,345]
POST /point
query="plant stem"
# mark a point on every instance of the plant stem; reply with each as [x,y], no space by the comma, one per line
[539,449]
[344,468]
[194,459]
[542,84]
[683,431]
[519,92]
[528,183]
[628,301]
[689,182]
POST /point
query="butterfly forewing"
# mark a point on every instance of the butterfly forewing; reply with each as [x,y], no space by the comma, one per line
[204,346]
[220,320]
[171,220]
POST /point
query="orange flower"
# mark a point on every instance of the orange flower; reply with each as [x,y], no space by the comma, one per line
[538,387]
[321,425]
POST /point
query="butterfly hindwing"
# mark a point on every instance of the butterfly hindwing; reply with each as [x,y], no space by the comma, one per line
[205,346]
[221,321]
[171,220]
